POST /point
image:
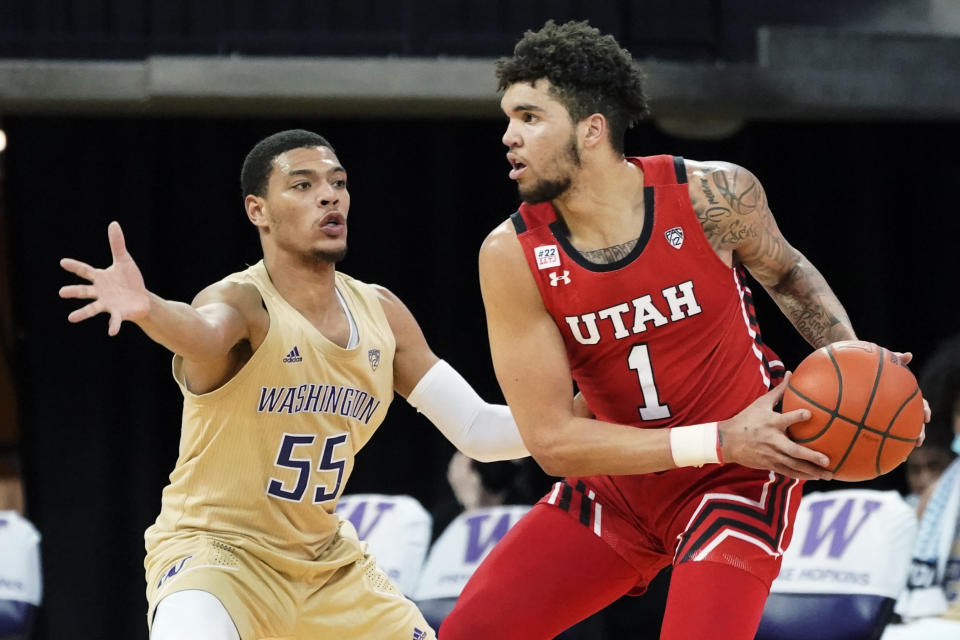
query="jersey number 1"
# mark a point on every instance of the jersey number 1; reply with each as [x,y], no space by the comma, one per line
[639,361]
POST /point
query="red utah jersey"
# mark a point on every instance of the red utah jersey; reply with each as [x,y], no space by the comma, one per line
[666,335]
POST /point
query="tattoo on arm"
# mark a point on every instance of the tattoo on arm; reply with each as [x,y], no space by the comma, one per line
[732,208]
[727,197]
[807,300]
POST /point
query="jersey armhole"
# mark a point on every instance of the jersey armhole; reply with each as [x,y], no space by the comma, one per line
[518,223]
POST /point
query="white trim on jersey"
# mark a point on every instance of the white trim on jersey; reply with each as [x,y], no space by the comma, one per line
[731,533]
[354,338]
[595,506]
[555,493]
[750,331]
[760,505]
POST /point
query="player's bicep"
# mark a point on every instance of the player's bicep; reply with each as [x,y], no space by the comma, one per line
[413,356]
[231,312]
[527,350]
[749,229]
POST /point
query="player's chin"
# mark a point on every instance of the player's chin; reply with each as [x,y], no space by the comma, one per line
[331,253]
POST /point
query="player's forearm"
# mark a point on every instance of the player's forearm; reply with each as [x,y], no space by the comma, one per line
[582,447]
[807,300]
[182,329]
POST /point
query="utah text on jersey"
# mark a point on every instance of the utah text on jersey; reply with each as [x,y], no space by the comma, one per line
[678,302]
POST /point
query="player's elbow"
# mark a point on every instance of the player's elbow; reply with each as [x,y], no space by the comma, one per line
[550,451]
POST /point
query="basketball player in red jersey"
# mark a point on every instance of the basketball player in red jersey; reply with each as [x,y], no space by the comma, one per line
[627,275]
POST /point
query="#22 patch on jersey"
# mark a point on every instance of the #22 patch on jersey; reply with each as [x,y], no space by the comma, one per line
[547,256]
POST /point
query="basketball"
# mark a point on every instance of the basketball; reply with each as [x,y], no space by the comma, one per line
[865,405]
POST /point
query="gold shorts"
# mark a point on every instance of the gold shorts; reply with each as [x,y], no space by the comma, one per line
[342,594]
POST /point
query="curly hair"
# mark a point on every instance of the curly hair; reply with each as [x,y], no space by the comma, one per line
[257,166]
[588,73]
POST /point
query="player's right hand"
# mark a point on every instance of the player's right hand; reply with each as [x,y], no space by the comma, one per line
[756,437]
[117,290]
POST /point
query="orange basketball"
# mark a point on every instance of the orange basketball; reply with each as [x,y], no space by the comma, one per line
[865,405]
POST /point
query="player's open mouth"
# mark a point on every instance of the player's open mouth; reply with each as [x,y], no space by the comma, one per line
[333,224]
[518,168]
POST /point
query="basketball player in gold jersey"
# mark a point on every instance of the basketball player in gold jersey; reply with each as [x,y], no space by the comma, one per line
[286,369]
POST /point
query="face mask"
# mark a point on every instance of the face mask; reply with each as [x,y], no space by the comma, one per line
[956,444]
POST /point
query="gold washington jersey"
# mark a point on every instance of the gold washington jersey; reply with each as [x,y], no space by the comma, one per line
[264,458]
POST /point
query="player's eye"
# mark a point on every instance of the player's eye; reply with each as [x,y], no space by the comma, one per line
[529,117]
[340,183]
[302,186]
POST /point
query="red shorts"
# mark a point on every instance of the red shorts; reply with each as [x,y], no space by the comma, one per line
[719,513]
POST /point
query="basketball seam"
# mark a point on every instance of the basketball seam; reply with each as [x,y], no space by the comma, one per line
[826,409]
[886,434]
[866,411]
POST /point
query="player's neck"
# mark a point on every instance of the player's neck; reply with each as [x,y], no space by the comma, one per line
[604,205]
[307,285]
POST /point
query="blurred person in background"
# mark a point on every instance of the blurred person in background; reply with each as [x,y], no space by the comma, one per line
[930,606]
[20,571]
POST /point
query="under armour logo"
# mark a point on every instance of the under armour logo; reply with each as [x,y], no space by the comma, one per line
[555,279]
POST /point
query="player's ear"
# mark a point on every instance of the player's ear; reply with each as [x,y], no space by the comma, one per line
[593,130]
[256,210]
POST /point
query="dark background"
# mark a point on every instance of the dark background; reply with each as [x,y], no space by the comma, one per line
[872,204]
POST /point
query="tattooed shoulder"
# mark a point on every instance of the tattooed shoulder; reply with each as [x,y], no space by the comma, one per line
[724,196]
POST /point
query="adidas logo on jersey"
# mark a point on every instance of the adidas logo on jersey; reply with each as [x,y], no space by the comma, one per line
[293,356]
[419,634]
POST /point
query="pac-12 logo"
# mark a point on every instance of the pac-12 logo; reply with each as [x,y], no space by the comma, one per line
[547,256]
[674,237]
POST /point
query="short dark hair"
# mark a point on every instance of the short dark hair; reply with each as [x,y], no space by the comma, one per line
[258,164]
[940,384]
[589,73]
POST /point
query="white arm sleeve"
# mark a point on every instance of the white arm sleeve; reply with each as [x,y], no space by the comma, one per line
[482,431]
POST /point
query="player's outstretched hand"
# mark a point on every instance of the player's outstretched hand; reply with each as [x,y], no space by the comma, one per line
[117,290]
[756,437]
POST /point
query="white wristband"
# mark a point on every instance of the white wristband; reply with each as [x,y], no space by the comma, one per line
[696,445]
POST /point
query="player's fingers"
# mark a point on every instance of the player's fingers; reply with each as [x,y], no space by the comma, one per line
[772,397]
[83,313]
[118,247]
[904,357]
[804,470]
[81,269]
[78,291]
[788,418]
[115,322]
[926,411]
[799,452]
[922,436]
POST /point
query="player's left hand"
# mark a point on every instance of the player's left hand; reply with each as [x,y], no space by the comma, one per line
[905,358]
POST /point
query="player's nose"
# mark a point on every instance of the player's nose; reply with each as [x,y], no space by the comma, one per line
[328,196]
[510,137]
